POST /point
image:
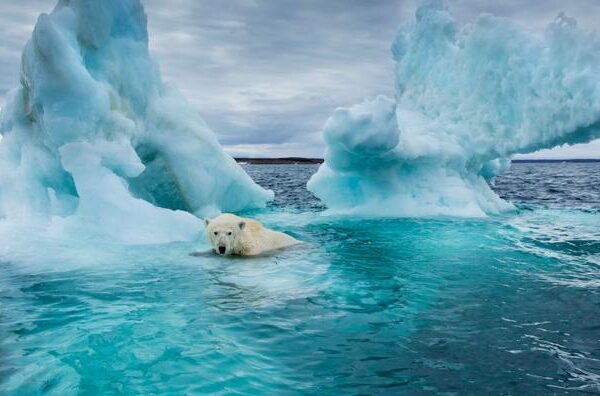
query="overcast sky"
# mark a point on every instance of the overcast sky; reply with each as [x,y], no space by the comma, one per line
[266,74]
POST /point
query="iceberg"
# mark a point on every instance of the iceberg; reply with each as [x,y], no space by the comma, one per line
[93,139]
[467,99]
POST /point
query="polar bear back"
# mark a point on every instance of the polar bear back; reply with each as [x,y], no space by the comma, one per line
[271,240]
[256,239]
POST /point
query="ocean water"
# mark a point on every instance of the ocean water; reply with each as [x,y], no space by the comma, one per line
[503,305]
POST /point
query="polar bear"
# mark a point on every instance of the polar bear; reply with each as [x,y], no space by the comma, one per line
[230,234]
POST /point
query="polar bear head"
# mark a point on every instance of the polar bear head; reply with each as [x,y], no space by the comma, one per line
[223,233]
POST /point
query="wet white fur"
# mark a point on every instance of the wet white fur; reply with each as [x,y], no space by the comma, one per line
[244,237]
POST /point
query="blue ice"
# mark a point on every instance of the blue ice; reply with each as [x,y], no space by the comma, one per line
[467,99]
[94,142]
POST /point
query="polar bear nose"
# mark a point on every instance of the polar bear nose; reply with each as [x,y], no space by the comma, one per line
[222,249]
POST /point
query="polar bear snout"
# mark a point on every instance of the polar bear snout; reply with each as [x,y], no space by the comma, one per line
[223,247]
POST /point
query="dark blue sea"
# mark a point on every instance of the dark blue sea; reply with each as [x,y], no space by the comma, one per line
[502,305]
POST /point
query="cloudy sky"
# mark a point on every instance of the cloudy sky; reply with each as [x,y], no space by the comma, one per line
[266,74]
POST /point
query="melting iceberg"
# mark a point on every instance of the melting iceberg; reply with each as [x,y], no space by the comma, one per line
[92,137]
[466,101]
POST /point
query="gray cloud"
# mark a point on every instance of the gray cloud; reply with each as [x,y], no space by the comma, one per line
[266,74]
[16,24]
[275,70]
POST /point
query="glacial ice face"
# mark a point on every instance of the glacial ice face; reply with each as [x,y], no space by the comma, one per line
[92,137]
[466,101]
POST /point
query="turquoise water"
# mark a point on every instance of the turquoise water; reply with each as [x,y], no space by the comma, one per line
[505,305]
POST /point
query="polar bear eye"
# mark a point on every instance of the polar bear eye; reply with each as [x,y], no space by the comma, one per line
[229,233]
[216,233]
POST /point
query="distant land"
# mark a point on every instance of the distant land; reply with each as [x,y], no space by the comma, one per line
[582,160]
[284,160]
[301,160]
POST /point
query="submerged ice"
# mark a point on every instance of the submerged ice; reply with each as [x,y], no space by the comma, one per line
[93,139]
[466,100]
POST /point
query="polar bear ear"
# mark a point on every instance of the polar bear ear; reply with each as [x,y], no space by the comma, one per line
[242,224]
[206,222]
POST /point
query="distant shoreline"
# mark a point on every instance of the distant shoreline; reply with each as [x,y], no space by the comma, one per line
[301,160]
[576,160]
[283,160]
